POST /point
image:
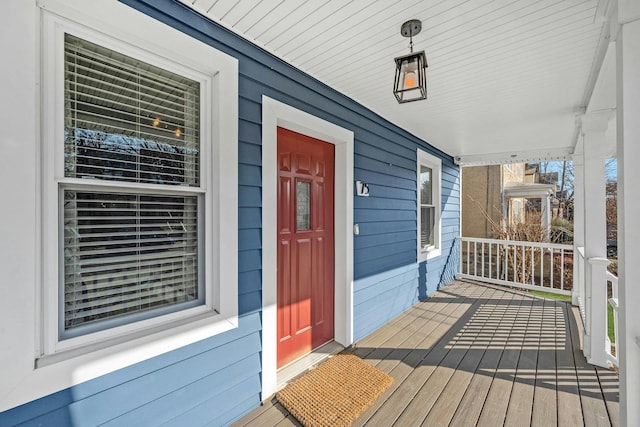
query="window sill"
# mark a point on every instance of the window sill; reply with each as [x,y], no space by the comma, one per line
[100,358]
[430,254]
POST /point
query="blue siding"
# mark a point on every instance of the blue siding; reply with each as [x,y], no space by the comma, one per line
[215,361]
[217,380]
[388,280]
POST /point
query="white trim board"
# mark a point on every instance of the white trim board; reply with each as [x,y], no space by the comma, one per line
[538,155]
[276,114]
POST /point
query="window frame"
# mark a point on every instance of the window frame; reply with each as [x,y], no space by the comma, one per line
[435,164]
[128,323]
[217,74]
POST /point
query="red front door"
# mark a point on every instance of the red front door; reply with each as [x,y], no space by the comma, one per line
[305,244]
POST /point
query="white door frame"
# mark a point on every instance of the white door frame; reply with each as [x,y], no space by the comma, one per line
[276,114]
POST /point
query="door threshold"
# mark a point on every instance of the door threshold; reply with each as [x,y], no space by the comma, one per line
[306,362]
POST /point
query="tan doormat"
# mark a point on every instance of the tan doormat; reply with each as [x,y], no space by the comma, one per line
[335,393]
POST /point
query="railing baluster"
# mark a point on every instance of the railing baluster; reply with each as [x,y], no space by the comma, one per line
[533,268]
[506,262]
[497,263]
[482,259]
[490,260]
[498,266]
[460,259]
[523,273]
[562,269]
[475,259]
[542,267]
[515,266]
[468,256]
[552,261]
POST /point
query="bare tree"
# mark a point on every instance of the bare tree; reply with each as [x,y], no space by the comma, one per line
[612,209]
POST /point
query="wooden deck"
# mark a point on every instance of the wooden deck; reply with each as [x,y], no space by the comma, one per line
[480,355]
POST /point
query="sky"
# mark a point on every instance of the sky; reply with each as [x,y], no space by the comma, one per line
[611,169]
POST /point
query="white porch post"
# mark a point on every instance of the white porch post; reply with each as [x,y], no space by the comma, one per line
[628,133]
[594,127]
[578,223]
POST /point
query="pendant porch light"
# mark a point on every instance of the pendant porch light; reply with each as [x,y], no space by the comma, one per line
[410,83]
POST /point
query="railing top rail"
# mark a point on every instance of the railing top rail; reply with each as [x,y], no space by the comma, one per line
[580,250]
[543,245]
[612,277]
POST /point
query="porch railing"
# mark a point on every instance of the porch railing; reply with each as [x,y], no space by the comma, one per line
[594,292]
[550,267]
[529,265]
[612,293]
[579,288]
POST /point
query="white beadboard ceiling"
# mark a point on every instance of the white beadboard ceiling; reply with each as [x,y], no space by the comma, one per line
[505,78]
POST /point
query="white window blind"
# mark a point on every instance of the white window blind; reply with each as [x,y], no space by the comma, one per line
[128,253]
[127,120]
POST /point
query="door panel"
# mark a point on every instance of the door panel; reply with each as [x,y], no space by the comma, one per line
[305,244]
[284,297]
[302,285]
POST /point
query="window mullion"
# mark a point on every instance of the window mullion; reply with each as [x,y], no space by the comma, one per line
[115,186]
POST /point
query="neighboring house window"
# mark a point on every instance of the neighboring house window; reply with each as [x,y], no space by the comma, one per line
[132,205]
[429,192]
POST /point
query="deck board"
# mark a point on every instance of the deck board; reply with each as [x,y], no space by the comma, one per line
[608,380]
[497,401]
[408,375]
[483,355]
[545,410]
[269,414]
[438,367]
[476,338]
[520,406]
[569,407]
[594,409]
[472,403]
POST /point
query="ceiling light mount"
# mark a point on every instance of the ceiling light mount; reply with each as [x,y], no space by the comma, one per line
[411,28]
[410,83]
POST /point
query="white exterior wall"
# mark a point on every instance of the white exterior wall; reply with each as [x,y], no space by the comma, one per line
[19,178]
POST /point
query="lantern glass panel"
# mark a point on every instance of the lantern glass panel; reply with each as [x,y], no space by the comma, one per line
[410,81]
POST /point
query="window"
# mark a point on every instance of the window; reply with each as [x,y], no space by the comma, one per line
[303,205]
[127,252]
[134,166]
[428,192]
